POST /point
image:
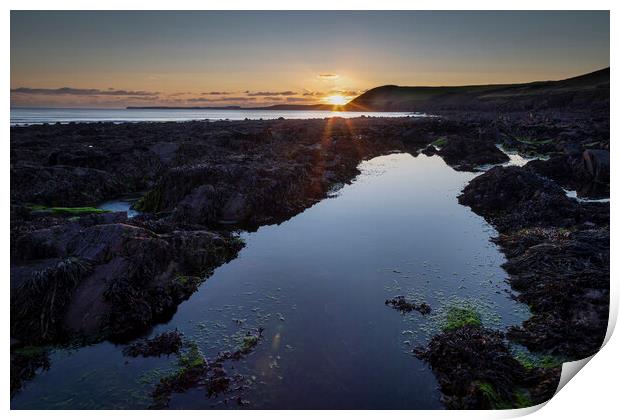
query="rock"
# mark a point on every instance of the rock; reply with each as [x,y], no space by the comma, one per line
[469,152]
[514,198]
[563,276]
[476,370]
[597,164]
[429,150]
[134,277]
[587,173]
[25,364]
[401,304]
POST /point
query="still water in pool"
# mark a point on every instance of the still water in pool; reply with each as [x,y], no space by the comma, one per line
[317,285]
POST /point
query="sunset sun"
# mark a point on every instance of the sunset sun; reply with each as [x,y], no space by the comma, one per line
[336,100]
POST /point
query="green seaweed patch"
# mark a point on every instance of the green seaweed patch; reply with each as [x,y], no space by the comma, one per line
[492,397]
[153,376]
[458,317]
[519,399]
[440,142]
[150,202]
[532,141]
[73,211]
[185,280]
[30,351]
[248,343]
[522,399]
[191,359]
[532,361]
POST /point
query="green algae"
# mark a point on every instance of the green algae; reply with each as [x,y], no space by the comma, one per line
[191,359]
[532,361]
[440,142]
[150,202]
[458,317]
[74,211]
[520,398]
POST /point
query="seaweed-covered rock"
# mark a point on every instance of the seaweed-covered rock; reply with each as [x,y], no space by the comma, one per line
[25,363]
[563,275]
[39,303]
[468,152]
[476,370]
[514,198]
[587,173]
[125,278]
[195,370]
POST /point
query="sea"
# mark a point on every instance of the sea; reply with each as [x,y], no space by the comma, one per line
[30,116]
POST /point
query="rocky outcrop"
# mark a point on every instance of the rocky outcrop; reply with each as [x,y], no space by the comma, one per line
[467,153]
[563,276]
[514,198]
[586,173]
[106,280]
[476,370]
[558,257]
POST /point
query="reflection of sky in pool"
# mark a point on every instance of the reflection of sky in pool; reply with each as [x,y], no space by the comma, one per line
[120,205]
[317,284]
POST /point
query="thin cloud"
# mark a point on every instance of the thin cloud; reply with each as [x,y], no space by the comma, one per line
[81,92]
[179,94]
[328,76]
[345,92]
[222,99]
[143,98]
[314,94]
[285,93]
[216,93]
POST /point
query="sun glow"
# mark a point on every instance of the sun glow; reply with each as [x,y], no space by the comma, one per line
[336,100]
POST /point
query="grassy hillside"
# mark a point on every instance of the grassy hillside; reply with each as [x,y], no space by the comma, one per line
[590,89]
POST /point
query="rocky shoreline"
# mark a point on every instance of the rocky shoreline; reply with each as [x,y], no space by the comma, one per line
[86,275]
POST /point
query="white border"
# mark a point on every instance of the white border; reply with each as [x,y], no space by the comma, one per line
[592,394]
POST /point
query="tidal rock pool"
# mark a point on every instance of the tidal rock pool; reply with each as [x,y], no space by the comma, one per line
[122,204]
[317,284]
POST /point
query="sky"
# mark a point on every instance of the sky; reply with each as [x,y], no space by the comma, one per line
[212,58]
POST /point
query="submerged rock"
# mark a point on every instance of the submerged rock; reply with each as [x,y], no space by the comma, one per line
[401,304]
[164,344]
[195,370]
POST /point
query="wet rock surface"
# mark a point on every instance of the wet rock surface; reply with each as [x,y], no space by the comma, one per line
[475,369]
[514,198]
[25,363]
[465,153]
[563,275]
[96,281]
[586,173]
